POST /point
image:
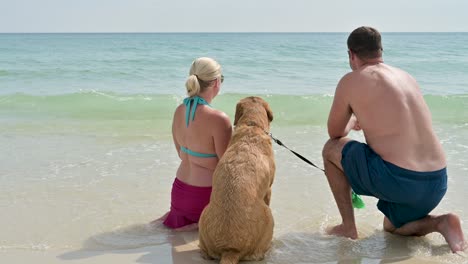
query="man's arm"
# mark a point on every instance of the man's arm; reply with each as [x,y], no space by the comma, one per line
[341,119]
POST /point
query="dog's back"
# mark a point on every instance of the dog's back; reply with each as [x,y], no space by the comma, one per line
[238,224]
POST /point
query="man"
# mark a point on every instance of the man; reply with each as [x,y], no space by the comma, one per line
[402,164]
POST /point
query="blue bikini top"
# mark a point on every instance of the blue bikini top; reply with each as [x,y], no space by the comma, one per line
[193,102]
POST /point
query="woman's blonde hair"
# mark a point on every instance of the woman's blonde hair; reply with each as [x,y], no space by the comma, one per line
[202,74]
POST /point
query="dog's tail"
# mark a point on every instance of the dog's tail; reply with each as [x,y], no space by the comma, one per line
[230,257]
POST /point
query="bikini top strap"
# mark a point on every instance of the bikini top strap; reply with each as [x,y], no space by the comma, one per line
[192,102]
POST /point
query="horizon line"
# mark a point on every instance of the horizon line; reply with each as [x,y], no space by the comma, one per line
[215,32]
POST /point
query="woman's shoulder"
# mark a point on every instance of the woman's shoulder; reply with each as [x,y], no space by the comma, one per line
[219,116]
[217,112]
[205,114]
[179,109]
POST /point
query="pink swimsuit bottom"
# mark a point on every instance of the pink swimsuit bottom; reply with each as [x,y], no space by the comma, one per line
[187,204]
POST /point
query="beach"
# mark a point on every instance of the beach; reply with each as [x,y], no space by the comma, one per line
[87,157]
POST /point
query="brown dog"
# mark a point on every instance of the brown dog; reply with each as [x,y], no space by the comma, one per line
[237,224]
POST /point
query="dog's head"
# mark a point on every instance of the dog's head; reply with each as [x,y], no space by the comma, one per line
[253,110]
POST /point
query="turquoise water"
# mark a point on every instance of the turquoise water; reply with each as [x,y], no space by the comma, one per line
[254,63]
[87,150]
[142,111]
[140,77]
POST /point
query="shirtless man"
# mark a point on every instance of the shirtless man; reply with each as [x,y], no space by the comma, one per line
[402,164]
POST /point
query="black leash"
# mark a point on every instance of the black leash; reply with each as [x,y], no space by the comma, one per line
[356,200]
[294,152]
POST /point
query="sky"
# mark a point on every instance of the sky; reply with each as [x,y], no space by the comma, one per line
[232,16]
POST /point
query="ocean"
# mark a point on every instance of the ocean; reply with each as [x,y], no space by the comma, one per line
[87,158]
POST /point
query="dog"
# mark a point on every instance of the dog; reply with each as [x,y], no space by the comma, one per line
[237,224]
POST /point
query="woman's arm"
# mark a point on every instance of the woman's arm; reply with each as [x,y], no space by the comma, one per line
[222,134]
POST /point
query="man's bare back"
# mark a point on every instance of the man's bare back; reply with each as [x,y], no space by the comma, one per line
[394,116]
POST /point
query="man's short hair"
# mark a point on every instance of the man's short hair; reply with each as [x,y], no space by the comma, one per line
[365,42]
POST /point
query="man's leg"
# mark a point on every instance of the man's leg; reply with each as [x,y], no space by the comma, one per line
[340,187]
[448,225]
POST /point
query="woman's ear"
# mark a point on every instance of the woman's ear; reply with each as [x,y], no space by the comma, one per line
[216,86]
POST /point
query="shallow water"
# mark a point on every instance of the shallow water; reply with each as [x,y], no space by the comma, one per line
[71,192]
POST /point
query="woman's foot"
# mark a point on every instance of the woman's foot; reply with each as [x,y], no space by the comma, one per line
[160,219]
[190,227]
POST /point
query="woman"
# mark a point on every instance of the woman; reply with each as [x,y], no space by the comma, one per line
[201,135]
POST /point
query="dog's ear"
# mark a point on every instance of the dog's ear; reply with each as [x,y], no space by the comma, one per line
[239,112]
[268,111]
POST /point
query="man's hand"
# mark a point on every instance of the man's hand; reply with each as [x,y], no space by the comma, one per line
[353,124]
[356,126]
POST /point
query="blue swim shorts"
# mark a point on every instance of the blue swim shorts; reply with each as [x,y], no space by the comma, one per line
[404,195]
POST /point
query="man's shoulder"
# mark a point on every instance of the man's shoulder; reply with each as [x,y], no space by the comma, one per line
[347,77]
[371,73]
[358,75]
[350,80]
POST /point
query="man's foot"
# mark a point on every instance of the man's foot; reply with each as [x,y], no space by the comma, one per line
[340,230]
[450,227]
